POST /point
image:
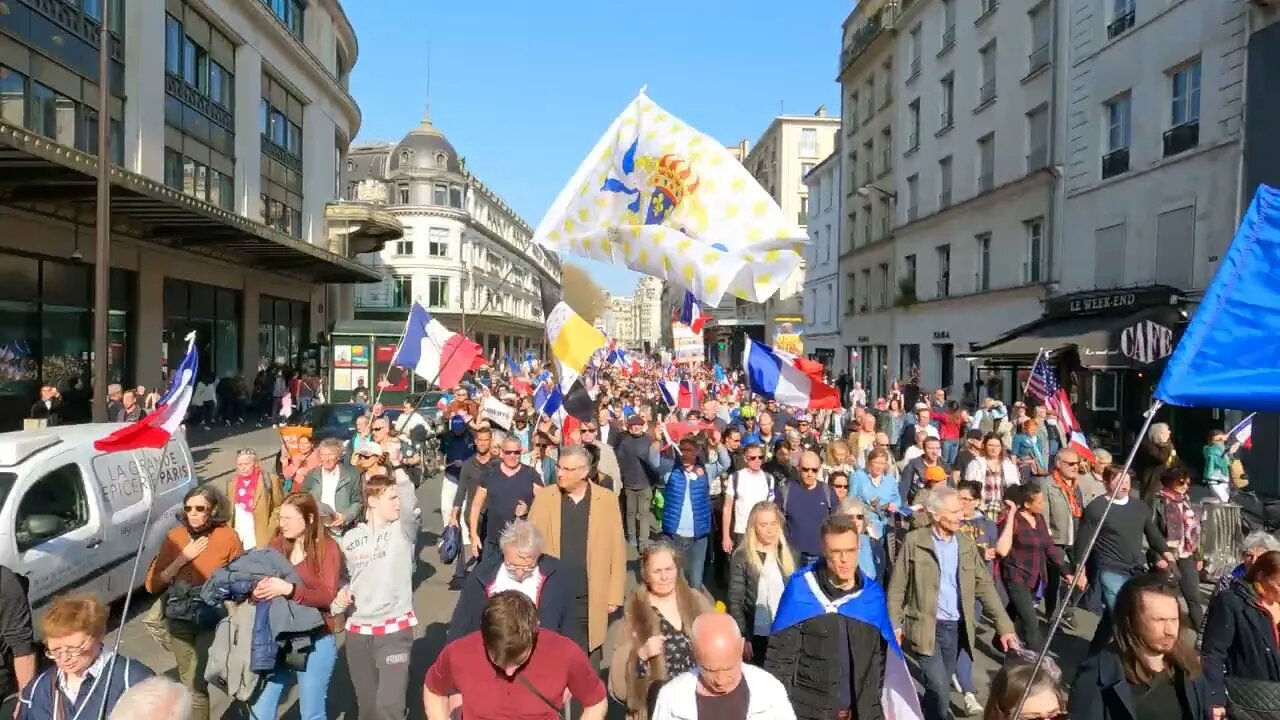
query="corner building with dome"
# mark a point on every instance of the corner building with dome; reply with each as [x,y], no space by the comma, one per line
[466,256]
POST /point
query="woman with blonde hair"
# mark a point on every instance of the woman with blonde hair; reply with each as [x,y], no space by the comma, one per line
[651,642]
[758,572]
[1045,701]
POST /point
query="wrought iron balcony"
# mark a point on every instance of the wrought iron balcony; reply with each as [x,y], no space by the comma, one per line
[1115,162]
[1181,138]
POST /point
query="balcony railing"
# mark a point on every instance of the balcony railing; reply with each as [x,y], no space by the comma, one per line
[867,34]
[884,225]
[981,281]
[948,39]
[1115,162]
[871,171]
[887,160]
[1181,138]
[987,93]
[986,7]
[1033,272]
[947,121]
[1038,158]
[944,286]
[914,70]
[1038,58]
[913,141]
[986,181]
[849,306]
[944,199]
[912,213]
[802,219]
[1117,27]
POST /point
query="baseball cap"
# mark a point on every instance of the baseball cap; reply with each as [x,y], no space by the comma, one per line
[934,474]
[635,420]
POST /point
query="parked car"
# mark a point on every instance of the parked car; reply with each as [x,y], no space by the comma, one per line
[336,420]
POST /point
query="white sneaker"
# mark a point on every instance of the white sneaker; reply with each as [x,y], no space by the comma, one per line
[972,707]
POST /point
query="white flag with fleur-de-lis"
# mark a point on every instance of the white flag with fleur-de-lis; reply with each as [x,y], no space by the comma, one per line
[659,197]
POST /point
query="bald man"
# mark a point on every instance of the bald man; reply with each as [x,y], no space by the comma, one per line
[721,685]
[805,505]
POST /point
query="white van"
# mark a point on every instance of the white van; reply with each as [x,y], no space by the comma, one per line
[70,516]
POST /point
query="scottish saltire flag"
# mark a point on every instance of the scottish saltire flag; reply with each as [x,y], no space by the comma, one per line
[1243,432]
[433,352]
[803,599]
[659,197]
[777,376]
[691,313]
[154,431]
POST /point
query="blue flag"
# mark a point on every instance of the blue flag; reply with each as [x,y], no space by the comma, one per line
[803,599]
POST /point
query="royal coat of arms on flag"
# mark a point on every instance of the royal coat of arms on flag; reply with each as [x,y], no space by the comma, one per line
[659,197]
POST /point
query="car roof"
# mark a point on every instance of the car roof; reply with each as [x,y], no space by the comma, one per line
[19,445]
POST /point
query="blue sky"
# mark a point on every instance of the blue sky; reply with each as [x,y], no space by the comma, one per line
[524,93]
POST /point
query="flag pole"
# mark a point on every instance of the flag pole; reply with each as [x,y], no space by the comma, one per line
[1084,557]
[148,494]
[386,379]
[1034,363]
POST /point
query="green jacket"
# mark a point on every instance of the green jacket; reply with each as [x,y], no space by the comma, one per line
[913,591]
[349,498]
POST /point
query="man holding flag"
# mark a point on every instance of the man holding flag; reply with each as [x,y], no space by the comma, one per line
[832,629]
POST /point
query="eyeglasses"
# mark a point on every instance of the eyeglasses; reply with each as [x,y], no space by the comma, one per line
[381,428]
[858,516]
[512,452]
[576,468]
[809,469]
[196,508]
[69,653]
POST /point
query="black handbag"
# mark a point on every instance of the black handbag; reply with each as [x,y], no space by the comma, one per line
[183,605]
[1252,699]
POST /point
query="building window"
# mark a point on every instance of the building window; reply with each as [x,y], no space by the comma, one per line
[401,291]
[289,13]
[441,160]
[948,119]
[215,314]
[438,242]
[850,304]
[948,25]
[455,197]
[1186,95]
[907,287]
[1116,159]
[404,248]
[45,111]
[944,182]
[52,114]
[200,85]
[1034,270]
[987,60]
[852,110]
[982,280]
[882,287]
[1041,28]
[913,126]
[282,329]
[440,194]
[865,303]
[438,291]
[402,193]
[805,169]
[944,270]
[1038,138]
[198,180]
[280,123]
[809,142]
[913,197]
[915,49]
[1122,17]
[986,162]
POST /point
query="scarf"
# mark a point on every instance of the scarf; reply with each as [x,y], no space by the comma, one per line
[1072,493]
[246,486]
[1181,523]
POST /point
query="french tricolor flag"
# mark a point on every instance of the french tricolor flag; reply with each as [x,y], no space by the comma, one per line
[1243,432]
[435,353]
[154,431]
[781,377]
[681,395]
[1060,403]
[691,313]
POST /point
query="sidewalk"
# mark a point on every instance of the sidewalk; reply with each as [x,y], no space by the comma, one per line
[213,451]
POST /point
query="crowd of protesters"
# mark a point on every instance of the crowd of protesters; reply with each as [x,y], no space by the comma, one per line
[946,519]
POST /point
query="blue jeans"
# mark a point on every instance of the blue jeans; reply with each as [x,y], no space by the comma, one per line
[313,684]
[950,449]
[1111,582]
[693,553]
[937,670]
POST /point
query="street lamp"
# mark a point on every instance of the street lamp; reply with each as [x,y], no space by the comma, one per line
[864,192]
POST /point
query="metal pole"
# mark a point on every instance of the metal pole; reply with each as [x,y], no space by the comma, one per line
[102,254]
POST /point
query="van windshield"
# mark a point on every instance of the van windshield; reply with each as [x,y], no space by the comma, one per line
[7,481]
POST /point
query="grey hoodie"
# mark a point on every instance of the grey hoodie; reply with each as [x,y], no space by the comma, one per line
[380,564]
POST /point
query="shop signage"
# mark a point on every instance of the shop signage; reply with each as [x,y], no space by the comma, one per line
[1119,300]
[941,335]
[864,338]
[1146,342]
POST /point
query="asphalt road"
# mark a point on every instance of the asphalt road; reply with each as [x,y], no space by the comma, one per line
[214,453]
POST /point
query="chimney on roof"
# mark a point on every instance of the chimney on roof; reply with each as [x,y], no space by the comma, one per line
[822,111]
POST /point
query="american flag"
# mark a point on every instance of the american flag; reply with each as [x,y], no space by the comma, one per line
[1043,383]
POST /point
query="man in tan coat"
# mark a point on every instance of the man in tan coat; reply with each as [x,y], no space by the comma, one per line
[582,525]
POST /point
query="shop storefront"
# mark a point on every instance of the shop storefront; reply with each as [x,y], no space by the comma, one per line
[1109,349]
[282,329]
[870,365]
[360,359]
[46,330]
[214,314]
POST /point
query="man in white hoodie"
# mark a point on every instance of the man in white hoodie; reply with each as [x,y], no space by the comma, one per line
[380,561]
[721,685]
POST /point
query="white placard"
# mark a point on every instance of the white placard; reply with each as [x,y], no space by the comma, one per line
[688,345]
[498,413]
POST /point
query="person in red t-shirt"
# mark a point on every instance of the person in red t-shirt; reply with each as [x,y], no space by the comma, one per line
[536,670]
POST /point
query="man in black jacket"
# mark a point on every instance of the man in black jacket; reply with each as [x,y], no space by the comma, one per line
[17,642]
[638,462]
[523,567]
[827,648]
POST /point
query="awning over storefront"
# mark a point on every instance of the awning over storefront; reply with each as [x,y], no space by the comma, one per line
[1131,341]
[47,178]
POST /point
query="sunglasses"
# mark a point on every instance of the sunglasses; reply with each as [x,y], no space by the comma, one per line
[841,486]
[755,457]
[809,469]
[196,508]
[859,516]
[512,452]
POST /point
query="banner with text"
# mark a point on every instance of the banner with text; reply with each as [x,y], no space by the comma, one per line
[686,344]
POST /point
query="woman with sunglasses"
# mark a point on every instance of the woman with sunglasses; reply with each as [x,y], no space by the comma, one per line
[1045,701]
[85,673]
[200,545]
